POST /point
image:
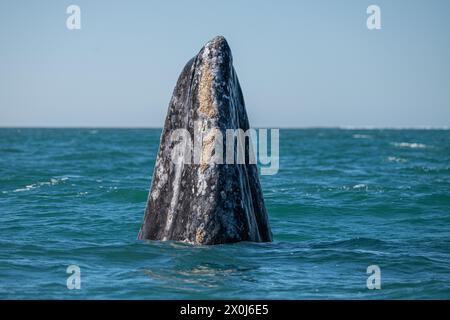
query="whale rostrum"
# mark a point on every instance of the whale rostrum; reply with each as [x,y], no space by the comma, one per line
[206,201]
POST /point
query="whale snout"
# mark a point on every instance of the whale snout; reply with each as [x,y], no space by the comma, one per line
[217,52]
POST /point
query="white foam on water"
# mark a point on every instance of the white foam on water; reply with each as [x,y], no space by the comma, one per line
[377,127]
[27,188]
[396,159]
[52,182]
[412,145]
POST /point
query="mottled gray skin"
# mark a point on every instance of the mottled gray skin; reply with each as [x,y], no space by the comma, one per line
[214,203]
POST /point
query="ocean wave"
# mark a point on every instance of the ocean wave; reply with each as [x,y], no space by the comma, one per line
[393,127]
[10,150]
[428,169]
[396,159]
[412,145]
[357,187]
[128,195]
[93,155]
[361,136]
[51,182]
[357,242]
[26,188]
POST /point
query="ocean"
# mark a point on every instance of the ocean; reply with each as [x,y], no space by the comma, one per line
[343,200]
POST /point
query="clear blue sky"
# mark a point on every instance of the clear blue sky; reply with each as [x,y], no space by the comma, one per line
[300,63]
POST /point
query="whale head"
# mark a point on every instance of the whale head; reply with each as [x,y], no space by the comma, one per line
[205,202]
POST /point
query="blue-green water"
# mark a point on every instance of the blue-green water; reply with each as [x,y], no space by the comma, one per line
[342,200]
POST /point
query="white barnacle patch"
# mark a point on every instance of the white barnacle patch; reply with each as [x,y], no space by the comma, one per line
[200,236]
[210,79]
[161,178]
[202,185]
[210,142]
[207,103]
[175,197]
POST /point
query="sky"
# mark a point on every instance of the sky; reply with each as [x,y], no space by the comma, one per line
[300,63]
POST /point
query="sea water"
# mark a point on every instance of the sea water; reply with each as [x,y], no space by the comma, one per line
[343,200]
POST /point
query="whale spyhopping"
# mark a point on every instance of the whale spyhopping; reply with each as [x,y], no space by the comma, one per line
[206,202]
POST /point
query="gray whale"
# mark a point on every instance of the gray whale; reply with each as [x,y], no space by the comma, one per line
[205,203]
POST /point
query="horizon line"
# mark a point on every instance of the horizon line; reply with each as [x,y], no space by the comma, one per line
[349,127]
